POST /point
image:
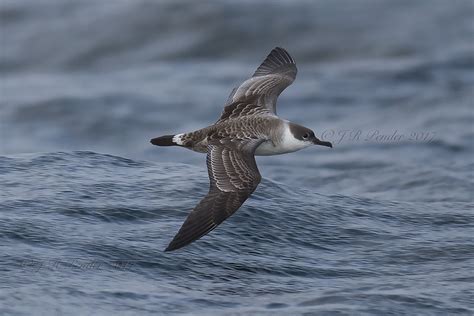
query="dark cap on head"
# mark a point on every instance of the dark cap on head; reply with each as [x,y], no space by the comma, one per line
[306,135]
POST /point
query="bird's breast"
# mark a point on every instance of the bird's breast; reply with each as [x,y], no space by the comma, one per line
[269,148]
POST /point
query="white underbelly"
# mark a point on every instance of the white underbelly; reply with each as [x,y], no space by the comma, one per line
[268,149]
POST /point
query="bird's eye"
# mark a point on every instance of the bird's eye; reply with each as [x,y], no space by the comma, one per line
[305,136]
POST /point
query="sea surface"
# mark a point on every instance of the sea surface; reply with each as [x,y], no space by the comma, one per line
[382,224]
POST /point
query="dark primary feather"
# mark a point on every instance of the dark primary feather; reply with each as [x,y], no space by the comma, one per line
[278,61]
[233,175]
[277,72]
[210,212]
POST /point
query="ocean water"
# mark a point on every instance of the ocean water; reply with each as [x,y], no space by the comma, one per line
[382,224]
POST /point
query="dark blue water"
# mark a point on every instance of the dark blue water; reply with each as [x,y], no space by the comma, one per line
[382,224]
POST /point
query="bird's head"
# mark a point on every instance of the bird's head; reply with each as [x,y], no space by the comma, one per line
[306,136]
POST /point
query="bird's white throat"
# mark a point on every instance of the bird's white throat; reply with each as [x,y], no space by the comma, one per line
[287,143]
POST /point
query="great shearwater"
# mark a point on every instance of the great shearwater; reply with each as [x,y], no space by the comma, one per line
[248,126]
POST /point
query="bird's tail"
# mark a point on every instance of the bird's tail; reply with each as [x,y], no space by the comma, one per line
[167,140]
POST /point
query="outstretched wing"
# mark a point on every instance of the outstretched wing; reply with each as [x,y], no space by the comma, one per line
[277,72]
[233,175]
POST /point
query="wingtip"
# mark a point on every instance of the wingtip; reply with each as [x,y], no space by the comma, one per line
[277,58]
[169,248]
[174,245]
[281,49]
[178,243]
[282,53]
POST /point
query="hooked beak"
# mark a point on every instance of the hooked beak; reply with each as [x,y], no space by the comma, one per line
[316,141]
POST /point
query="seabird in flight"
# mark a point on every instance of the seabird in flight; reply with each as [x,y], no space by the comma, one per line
[247,127]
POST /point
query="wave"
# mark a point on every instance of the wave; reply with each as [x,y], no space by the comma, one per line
[84,212]
[105,188]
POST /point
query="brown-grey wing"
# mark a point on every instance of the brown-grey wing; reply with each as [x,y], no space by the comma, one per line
[277,72]
[249,106]
[233,175]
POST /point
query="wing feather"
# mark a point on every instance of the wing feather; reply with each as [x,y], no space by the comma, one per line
[233,175]
[276,72]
